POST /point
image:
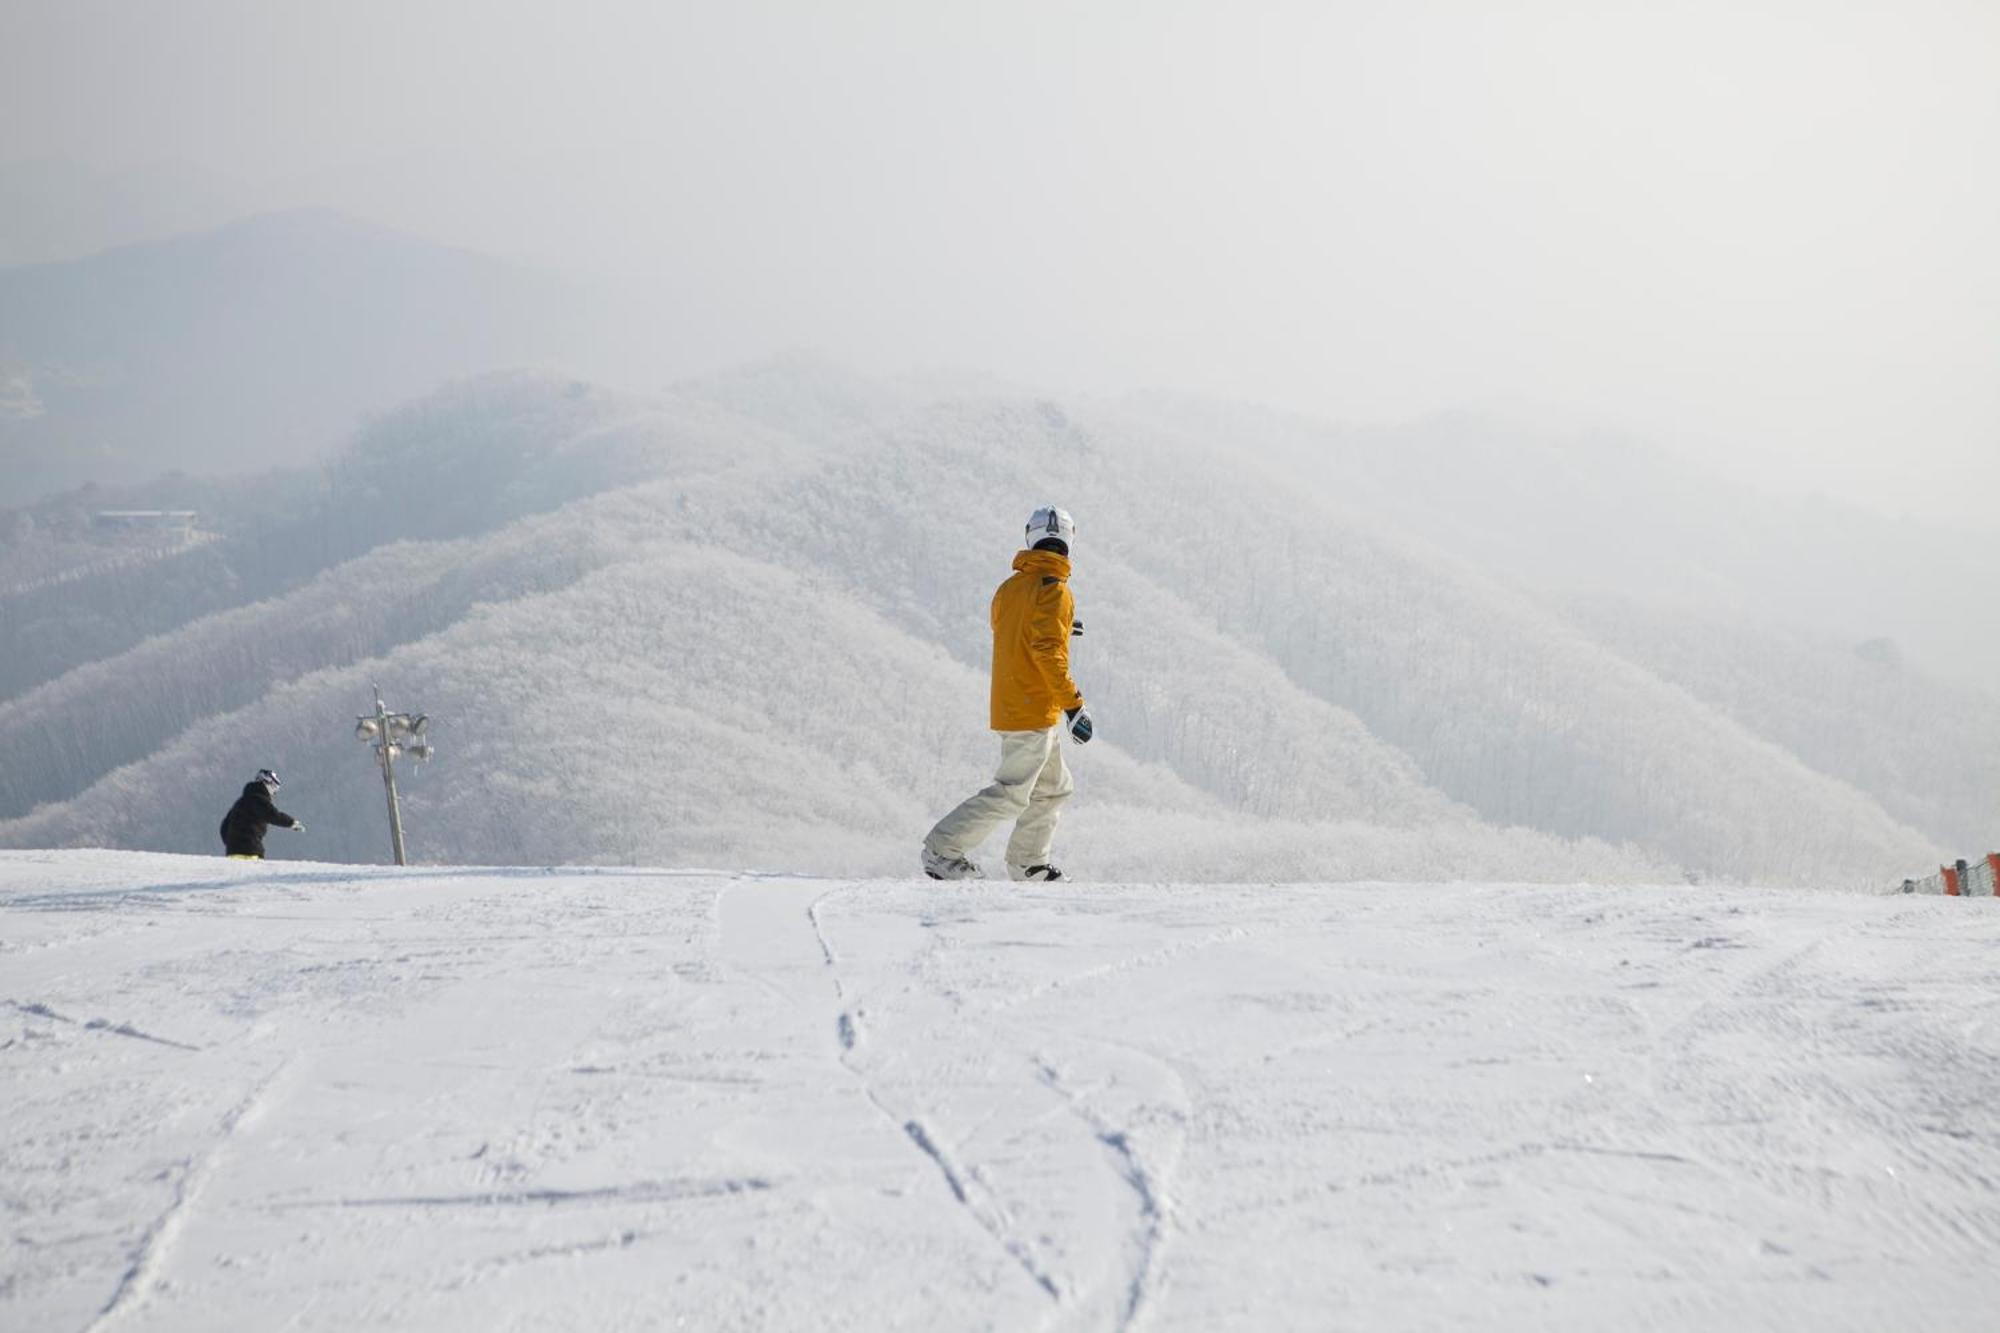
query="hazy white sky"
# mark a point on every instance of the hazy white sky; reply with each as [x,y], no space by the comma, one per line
[1769,233]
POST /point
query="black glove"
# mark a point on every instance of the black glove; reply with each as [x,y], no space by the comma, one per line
[1076,629]
[1079,724]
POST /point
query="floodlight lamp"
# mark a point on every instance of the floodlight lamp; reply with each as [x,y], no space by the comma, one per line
[419,752]
[366,729]
[418,723]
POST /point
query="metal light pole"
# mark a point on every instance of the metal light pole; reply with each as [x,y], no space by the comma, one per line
[393,734]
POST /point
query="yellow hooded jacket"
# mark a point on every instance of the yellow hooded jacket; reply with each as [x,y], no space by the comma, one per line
[1031,615]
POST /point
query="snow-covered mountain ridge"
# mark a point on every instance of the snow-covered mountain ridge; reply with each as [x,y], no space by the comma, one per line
[743,623]
[338,1097]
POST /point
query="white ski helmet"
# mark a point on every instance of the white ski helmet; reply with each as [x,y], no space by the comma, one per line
[1049,521]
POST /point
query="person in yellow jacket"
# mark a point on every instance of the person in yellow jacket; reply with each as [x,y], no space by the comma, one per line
[1034,702]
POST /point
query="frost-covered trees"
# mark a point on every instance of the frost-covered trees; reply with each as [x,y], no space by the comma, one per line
[745,625]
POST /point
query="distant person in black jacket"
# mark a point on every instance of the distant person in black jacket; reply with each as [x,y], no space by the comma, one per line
[243,827]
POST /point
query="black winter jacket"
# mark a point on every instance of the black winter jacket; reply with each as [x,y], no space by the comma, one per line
[243,827]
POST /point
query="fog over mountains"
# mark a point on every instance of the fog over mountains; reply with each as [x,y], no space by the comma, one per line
[226,351]
[741,622]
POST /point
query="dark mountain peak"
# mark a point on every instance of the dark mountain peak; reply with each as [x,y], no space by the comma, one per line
[252,344]
[297,231]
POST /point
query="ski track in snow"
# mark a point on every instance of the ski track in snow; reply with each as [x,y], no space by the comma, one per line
[158,1240]
[988,1214]
[1162,957]
[1149,1193]
[1147,1228]
[992,1218]
[521,1098]
[641,1191]
[40,1010]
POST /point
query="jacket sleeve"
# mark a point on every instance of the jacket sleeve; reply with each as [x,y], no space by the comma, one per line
[1049,645]
[271,814]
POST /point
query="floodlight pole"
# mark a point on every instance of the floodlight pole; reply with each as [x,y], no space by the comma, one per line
[393,733]
[387,753]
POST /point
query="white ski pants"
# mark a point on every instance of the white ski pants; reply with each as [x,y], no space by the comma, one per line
[1030,788]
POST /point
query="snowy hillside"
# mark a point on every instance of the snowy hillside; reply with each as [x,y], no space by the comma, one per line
[743,623]
[1930,752]
[324,1097]
[1528,503]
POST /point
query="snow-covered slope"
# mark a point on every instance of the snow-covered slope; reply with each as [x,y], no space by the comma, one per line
[1928,751]
[319,1097]
[1597,512]
[746,624]
[653,711]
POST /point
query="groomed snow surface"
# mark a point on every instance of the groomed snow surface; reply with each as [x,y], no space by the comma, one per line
[265,1096]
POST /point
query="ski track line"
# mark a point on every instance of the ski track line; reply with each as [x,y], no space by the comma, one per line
[1154,1208]
[157,1244]
[643,1191]
[39,1010]
[984,1210]
[1127,1164]
[819,929]
[1676,1071]
[1731,987]
[999,1224]
[847,1028]
[1160,957]
[501,1264]
[991,1217]
[1668,1041]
